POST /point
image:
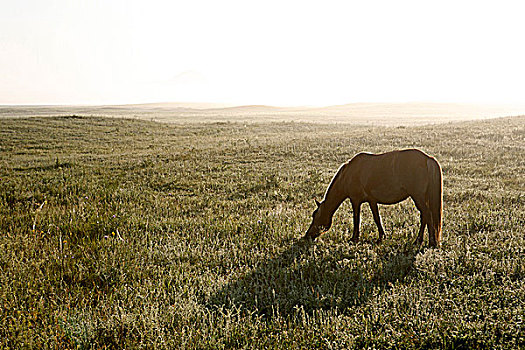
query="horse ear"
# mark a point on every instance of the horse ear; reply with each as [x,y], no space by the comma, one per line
[317,202]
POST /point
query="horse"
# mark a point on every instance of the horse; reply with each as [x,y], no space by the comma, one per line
[386,178]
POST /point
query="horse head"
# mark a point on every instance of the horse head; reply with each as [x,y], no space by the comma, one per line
[321,222]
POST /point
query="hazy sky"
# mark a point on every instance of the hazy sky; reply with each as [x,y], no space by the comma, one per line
[265,52]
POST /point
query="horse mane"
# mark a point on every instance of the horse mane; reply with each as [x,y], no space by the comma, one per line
[336,177]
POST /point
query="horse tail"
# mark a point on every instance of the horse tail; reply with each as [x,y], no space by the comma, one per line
[435,199]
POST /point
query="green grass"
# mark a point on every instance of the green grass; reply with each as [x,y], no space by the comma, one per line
[123,233]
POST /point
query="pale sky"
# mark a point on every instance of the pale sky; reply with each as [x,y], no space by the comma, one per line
[265,52]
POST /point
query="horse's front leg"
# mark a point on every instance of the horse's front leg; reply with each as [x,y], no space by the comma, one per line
[377,219]
[356,207]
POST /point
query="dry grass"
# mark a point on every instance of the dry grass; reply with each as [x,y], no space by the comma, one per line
[127,234]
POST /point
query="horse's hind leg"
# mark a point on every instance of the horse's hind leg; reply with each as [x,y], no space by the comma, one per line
[419,238]
[377,219]
[424,217]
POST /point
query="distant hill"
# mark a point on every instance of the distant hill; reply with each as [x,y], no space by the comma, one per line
[356,113]
[177,105]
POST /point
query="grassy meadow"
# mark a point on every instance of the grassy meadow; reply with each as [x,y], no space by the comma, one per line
[125,233]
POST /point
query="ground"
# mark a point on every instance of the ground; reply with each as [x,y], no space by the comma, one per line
[125,233]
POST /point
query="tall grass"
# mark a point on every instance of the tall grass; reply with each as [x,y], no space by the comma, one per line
[129,234]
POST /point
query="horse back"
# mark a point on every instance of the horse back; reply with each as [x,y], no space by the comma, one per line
[388,177]
[390,163]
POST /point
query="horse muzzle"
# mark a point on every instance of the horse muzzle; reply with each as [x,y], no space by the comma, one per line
[312,234]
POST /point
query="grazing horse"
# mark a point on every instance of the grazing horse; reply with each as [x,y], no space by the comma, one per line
[386,178]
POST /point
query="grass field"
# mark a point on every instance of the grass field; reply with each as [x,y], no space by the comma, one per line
[119,233]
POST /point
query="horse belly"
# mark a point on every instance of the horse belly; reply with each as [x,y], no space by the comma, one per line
[383,188]
[388,195]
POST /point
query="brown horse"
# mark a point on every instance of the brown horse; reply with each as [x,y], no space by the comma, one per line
[386,178]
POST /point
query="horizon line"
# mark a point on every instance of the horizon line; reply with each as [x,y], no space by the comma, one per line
[214,105]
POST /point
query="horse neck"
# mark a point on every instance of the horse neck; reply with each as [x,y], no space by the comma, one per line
[335,195]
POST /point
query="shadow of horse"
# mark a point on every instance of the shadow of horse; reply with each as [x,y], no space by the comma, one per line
[306,277]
